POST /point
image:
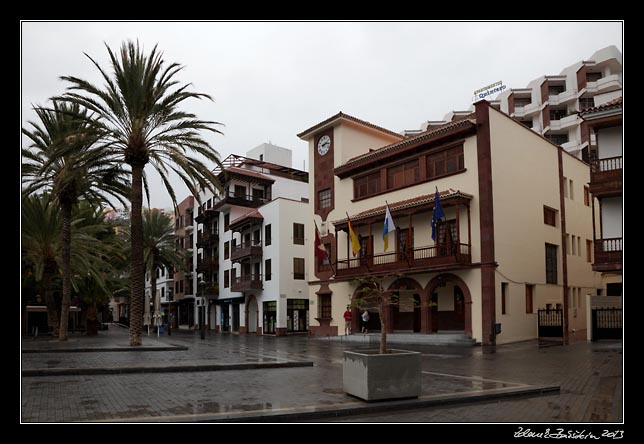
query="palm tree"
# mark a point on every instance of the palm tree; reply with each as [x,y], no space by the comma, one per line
[159,246]
[65,159]
[138,109]
[42,247]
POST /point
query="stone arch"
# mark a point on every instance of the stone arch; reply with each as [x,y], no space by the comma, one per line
[252,314]
[440,280]
[408,320]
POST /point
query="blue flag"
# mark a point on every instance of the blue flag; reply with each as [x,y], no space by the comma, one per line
[437,214]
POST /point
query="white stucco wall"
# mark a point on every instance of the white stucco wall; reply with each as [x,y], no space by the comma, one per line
[273,154]
[609,142]
[611,217]
[525,178]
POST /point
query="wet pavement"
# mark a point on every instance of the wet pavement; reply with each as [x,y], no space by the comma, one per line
[589,376]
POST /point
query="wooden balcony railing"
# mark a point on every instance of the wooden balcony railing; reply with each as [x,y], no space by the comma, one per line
[608,254]
[247,282]
[402,260]
[608,164]
[246,249]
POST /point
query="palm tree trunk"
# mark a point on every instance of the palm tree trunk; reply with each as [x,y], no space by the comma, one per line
[137,269]
[50,302]
[66,210]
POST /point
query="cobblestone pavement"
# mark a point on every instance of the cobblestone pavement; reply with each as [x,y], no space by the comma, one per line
[590,376]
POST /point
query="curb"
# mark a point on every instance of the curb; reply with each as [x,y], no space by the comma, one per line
[106,349]
[409,404]
[164,369]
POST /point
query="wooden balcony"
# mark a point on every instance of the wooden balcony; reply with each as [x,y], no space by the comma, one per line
[207,265]
[608,254]
[421,258]
[606,177]
[246,250]
[207,238]
[247,282]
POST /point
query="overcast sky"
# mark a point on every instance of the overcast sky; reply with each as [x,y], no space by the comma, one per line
[270,81]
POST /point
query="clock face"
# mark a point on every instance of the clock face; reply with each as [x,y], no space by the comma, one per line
[323,145]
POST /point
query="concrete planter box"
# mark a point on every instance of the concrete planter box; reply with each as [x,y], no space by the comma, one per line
[371,376]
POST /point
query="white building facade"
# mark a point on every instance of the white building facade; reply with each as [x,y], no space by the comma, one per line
[251,247]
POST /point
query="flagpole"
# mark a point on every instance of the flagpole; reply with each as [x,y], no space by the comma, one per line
[317,233]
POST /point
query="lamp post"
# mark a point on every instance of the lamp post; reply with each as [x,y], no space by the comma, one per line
[202,312]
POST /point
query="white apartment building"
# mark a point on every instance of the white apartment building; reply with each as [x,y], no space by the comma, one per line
[251,246]
[549,104]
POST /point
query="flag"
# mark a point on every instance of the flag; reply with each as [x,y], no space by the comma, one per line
[355,242]
[320,251]
[437,214]
[389,227]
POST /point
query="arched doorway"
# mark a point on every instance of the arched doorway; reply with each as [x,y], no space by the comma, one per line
[357,309]
[406,310]
[252,311]
[451,304]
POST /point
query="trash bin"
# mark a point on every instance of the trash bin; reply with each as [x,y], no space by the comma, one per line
[161,329]
[497,328]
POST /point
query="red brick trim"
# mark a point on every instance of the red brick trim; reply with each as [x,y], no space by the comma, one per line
[486,214]
[564,244]
[324,177]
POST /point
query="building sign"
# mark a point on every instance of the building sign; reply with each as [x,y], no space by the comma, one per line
[488,90]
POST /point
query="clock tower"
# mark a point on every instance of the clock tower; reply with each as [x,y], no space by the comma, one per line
[323,163]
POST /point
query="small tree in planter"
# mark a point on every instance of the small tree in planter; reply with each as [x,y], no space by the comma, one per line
[386,373]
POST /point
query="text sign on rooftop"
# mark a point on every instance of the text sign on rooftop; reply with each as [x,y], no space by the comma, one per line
[488,90]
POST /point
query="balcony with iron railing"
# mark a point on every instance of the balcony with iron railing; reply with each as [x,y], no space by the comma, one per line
[247,282]
[421,258]
[606,176]
[242,200]
[608,254]
[246,249]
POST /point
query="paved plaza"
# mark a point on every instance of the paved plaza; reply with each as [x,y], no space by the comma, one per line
[245,378]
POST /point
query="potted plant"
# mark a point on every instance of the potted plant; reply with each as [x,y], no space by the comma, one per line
[383,373]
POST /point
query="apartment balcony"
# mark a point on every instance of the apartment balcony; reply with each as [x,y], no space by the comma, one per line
[563,97]
[189,226]
[608,254]
[418,259]
[204,239]
[606,177]
[563,123]
[242,200]
[246,250]
[247,283]
[605,84]
[206,265]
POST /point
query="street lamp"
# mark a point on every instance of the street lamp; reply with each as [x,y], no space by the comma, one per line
[202,312]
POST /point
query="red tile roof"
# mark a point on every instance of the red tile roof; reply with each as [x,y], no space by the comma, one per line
[466,121]
[342,115]
[408,203]
[616,103]
[248,173]
[254,214]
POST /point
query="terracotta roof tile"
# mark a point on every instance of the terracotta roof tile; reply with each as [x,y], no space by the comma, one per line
[403,204]
[616,103]
[249,173]
[254,214]
[348,117]
[461,122]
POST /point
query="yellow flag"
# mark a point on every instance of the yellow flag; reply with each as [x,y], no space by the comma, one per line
[355,242]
